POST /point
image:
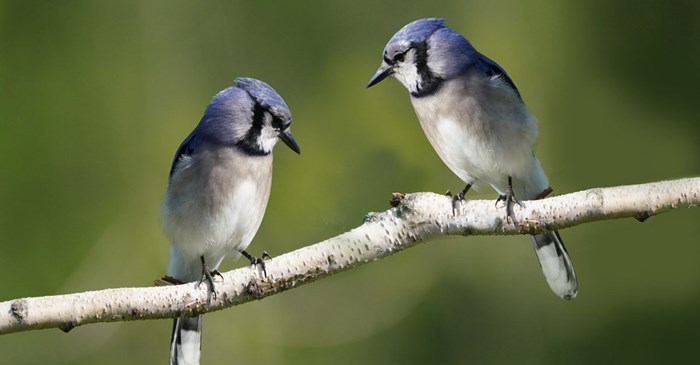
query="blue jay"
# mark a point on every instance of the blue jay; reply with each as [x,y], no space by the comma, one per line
[477,122]
[218,190]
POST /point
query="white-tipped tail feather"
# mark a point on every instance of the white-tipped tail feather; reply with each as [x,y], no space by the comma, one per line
[186,342]
[556,264]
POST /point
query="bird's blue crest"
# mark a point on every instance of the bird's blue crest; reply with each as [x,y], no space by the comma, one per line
[417,30]
[264,95]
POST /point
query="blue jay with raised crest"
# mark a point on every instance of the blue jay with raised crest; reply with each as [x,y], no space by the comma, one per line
[477,122]
[218,190]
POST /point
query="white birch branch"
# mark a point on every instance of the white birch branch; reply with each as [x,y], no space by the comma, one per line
[417,218]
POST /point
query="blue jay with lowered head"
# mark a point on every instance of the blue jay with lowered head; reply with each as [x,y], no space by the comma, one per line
[477,122]
[218,190]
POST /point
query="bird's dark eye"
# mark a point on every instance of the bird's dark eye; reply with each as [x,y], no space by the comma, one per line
[280,123]
[277,123]
[400,57]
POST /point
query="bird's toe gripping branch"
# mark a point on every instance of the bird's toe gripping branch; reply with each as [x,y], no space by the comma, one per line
[509,199]
[258,260]
[208,276]
[456,199]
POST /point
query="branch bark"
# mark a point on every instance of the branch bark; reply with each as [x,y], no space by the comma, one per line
[416,218]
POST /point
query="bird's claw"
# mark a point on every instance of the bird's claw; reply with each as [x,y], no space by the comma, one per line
[457,199]
[208,276]
[509,199]
[258,260]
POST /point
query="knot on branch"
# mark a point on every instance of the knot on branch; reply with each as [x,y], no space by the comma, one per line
[19,309]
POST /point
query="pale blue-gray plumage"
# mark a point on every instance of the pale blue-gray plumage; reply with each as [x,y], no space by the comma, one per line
[218,190]
[477,122]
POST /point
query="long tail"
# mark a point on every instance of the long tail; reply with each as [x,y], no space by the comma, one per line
[186,341]
[556,264]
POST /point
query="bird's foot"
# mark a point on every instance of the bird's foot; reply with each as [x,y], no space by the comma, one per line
[456,200]
[459,198]
[208,276]
[258,260]
[510,200]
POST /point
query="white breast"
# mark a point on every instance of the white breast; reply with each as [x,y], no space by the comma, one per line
[463,152]
[214,207]
[481,137]
[239,217]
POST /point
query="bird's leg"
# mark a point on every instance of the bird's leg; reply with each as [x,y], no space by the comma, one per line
[459,197]
[464,191]
[509,198]
[257,261]
[208,275]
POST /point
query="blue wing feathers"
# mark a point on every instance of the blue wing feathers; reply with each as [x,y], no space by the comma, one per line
[188,146]
[492,69]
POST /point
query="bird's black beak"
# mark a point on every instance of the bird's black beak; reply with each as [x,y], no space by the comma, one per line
[288,139]
[383,71]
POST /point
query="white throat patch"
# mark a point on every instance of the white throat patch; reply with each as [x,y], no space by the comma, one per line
[407,74]
[267,139]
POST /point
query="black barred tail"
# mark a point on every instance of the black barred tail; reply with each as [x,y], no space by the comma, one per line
[556,264]
[186,341]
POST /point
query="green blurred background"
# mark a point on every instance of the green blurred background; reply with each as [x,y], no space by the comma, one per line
[95,97]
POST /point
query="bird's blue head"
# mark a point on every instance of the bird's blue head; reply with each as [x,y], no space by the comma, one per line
[251,115]
[266,96]
[423,54]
